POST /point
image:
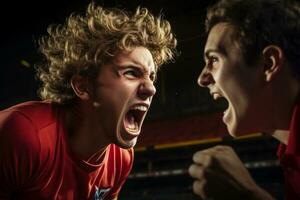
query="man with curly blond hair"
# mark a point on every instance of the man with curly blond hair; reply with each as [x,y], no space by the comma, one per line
[98,78]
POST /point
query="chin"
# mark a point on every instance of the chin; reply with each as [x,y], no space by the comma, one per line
[235,127]
[235,124]
[126,144]
[123,140]
[232,131]
[240,130]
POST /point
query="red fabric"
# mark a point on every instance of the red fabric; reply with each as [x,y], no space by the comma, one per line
[35,162]
[182,129]
[289,156]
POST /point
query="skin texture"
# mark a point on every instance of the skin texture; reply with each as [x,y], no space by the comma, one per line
[126,82]
[227,75]
[100,118]
[220,175]
[268,88]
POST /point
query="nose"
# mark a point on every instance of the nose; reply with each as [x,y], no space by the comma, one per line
[205,78]
[146,89]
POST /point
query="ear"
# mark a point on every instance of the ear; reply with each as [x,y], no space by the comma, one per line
[81,87]
[273,61]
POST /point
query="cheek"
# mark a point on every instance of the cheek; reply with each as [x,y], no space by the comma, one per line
[231,80]
[116,94]
[234,90]
[111,94]
[225,81]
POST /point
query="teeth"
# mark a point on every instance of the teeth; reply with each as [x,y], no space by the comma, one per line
[133,126]
[141,108]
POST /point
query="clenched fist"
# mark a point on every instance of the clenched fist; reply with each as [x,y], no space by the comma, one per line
[221,175]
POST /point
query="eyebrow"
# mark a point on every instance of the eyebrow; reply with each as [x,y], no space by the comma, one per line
[144,68]
[139,67]
[220,50]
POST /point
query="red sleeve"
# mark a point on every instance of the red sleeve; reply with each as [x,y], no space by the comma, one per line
[127,162]
[19,147]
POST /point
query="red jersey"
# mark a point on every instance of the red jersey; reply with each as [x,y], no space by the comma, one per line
[289,156]
[36,162]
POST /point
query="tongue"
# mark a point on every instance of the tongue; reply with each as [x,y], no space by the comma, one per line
[131,124]
[130,119]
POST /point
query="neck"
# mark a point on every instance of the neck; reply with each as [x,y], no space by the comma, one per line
[86,136]
[285,98]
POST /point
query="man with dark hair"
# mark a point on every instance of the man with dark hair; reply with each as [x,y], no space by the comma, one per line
[98,83]
[252,57]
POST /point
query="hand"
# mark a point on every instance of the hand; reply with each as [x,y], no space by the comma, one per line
[220,174]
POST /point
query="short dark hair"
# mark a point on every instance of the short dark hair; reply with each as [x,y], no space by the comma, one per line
[260,23]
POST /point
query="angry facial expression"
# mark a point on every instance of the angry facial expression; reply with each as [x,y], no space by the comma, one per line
[123,93]
[228,76]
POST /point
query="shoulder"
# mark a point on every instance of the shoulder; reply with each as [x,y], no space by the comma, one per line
[40,113]
[20,124]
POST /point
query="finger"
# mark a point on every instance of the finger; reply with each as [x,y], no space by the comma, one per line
[221,147]
[202,157]
[225,152]
[205,157]
[196,171]
[198,188]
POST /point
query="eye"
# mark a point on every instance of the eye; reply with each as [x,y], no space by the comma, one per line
[131,73]
[213,59]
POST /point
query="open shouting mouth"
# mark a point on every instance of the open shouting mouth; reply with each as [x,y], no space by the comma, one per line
[134,119]
[218,96]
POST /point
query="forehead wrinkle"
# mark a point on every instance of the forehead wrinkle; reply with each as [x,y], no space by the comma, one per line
[134,63]
[140,60]
[145,66]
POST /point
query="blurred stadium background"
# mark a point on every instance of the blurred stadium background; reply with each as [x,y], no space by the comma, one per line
[183,117]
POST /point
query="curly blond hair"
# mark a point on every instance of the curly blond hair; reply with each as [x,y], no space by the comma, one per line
[84,43]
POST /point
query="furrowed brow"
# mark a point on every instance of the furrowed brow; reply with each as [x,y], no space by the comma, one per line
[209,51]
